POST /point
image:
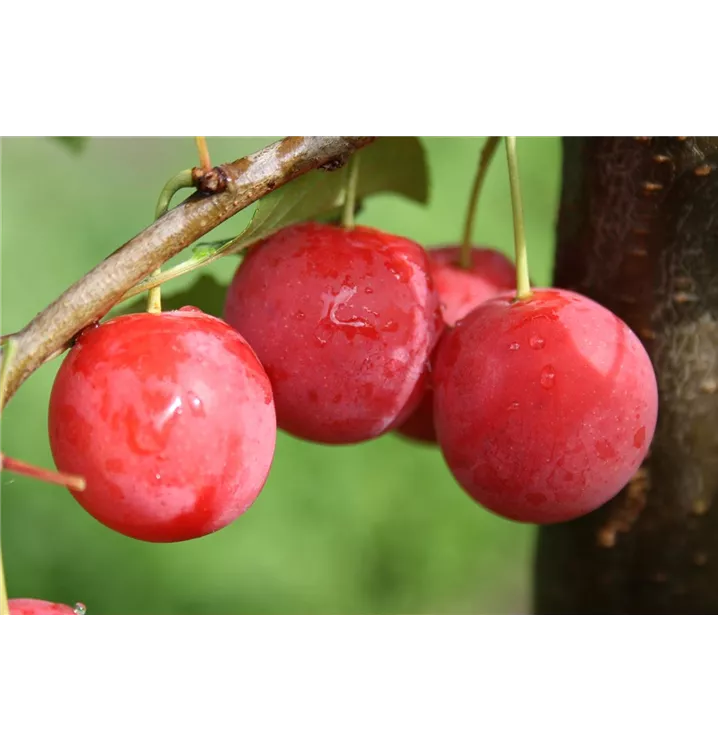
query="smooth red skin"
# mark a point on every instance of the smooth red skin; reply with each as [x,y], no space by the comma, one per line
[343,322]
[38,607]
[169,418]
[460,291]
[545,408]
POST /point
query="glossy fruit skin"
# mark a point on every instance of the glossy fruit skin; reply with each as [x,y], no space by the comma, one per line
[343,322]
[544,408]
[169,418]
[38,607]
[460,291]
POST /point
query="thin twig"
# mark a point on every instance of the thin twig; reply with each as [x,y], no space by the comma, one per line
[92,297]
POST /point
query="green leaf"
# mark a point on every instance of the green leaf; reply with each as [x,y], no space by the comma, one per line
[74,143]
[389,165]
[205,292]
[203,250]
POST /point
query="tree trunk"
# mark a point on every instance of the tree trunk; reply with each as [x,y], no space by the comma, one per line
[638,232]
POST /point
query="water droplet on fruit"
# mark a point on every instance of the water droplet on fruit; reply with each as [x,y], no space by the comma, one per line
[390,326]
[536,342]
[514,405]
[322,335]
[402,273]
[368,290]
[515,346]
[299,315]
[195,403]
[548,375]
[158,476]
[79,609]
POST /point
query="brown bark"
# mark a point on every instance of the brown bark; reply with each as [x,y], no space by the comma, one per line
[89,299]
[638,232]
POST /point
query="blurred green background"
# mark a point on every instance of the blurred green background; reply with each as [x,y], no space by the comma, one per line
[370,529]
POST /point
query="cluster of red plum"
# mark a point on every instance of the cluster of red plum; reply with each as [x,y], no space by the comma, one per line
[543,407]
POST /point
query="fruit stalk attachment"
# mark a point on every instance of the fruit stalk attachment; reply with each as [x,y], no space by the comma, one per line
[487,155]
[350,192]
[523,283]
[205,163]
[183,179]
[71,481]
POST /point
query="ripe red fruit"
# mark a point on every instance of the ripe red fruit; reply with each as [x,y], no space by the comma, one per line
[40,607]
[544,408]
[343,321]
[460,291]
[169,418]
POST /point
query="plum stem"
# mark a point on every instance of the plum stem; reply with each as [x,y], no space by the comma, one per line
[350,192]
[183,179]
[487,155]
[71,481]
[205,163]
[523,283]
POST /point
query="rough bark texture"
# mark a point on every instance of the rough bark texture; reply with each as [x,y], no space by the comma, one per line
[638,232]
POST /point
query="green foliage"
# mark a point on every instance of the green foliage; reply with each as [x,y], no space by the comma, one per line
[74,143]
[389,165]
[204,250]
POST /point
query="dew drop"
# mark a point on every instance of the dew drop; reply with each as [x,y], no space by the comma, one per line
[536,342]
[515,346]
[158,476]
[195,403]
[514,405]
[368,290]
[548,375]
[299,315]
[79,609]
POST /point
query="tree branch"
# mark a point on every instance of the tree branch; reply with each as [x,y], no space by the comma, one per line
[92,297]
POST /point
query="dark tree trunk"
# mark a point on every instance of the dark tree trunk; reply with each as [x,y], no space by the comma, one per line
[638,232]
